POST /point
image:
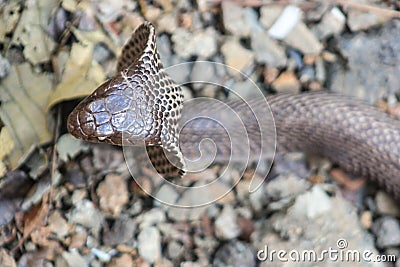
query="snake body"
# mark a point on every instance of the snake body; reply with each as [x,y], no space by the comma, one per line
[142,104]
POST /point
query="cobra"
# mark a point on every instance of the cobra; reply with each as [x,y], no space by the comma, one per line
[141,103]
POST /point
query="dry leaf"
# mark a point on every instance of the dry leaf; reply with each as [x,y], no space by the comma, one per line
[9,18]
[81,75]
[6,260]
[95,37]
[30,32]
[23,97]
[6,145]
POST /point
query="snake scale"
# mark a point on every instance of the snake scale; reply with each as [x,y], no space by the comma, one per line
[141,103]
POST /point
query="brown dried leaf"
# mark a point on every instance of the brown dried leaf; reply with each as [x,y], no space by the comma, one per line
[6,260]
[81,76]
[9,18]
[24,97]
[30,32]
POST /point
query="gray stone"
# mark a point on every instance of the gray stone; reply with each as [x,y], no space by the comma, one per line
[226,226]
[166,194]
[238,20]
[360,20]
[167,22]
[202,72]
[386,205]
[312,204]
[269,14]
[72,259]
[236,56]
[303,39]
[245,89]
[174,250]
[372,67]
[179,72]
[235,253]
[266,50]
[387,231]
[164,49]
[149,244]
[286,186]
[332,23]
[151,217]
[4,67]
[87,215]
[122,231]
[200,43]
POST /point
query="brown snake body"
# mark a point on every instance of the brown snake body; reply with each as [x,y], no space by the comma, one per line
[141,103]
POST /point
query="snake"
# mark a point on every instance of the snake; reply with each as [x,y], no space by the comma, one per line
[141,104]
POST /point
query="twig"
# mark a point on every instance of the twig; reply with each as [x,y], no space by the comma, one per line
[369,8]
[310,4]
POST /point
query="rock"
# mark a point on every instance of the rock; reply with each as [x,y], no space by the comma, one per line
[197,197]
[179,72]
[266,50]
[245,89]
[269,14]
[174,250]
[113,194]
[121,232]
[235,253]
[101,255]
[303,39]
[187,93]
[226,226]
[101,53]
[285,23]
[200,43]
[164,49]
[149,244]
[386,204]
[202,72]
[307,74]
[236,56]
[166,194]
[68,147]
[372,64]
[152,217]
[238,20]
[286,186]
[332,23]
[387,231]
[167,22]
[72,259]
[294,32]
[58,225]
[287,83]
[366,219]
[359,20]
[125,260]
[312,204]
[86,215]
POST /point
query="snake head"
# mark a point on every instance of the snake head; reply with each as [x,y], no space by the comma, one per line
[140,103]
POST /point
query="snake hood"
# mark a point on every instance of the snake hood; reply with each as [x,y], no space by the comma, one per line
[139,104]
